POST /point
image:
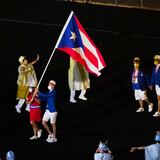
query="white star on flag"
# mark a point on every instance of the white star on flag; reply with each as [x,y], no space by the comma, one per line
[73,36]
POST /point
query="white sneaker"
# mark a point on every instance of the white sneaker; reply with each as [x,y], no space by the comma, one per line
[83,98]
[33,137]
[150,107]
[52,140]
[49,137]
[157,114]
[73,101]
[18,109]
[39,133]
[140,110]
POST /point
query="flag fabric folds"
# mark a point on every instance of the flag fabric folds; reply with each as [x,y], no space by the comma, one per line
[75,41]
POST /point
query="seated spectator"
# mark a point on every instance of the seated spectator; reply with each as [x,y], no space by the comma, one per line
[103,152]
[10,155]
[152,152]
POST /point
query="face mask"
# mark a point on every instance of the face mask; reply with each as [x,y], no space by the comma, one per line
[30,89]
[49,87]
[155,62]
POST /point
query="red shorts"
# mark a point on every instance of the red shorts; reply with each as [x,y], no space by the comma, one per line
[35,114]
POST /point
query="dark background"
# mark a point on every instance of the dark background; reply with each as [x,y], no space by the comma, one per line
[110,112]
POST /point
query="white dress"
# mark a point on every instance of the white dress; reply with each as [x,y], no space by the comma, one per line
[152,152]
[103,156]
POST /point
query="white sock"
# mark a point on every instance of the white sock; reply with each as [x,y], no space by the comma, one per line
[82,93]
[20,103]
[72,95]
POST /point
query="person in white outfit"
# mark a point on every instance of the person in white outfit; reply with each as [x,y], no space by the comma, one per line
[78,79]
[10,155]
[103,152]
[152,152]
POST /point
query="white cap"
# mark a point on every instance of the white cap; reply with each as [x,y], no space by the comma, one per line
[10,155]
[52,82]
[21,58]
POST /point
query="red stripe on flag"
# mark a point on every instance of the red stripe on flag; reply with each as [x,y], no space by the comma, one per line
[90,56]
[84,32]
[77,57]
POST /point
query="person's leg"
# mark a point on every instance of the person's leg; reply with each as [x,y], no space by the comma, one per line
[141,108]
[145,98]
[19,105]
[28,107]
[50,134]
[54,130]
[157,114]
[147,101]
[45,125]
[53,117]
[140,103]
[72,95]
[82,95]
[150,105]
[35,129]
[138,98]
[45,119]
[157,88]
[158,97]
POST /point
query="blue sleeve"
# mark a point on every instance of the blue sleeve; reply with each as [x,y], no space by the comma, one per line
[42,96]
[51,94]
[153,78]
[131,74]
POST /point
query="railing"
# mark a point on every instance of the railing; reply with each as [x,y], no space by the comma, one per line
[142,4]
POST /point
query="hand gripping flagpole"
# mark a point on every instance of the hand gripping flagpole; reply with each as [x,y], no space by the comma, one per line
[56,46]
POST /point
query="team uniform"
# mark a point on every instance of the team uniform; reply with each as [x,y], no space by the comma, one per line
[50,112]
[139,84]
[155,79]
[155,82]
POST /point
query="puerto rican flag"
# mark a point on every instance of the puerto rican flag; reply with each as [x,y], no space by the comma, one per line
[75,41]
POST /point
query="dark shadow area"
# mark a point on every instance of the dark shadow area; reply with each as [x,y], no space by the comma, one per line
[110,112]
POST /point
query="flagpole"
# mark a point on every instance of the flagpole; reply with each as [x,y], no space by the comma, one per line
[46,68]
[56,46]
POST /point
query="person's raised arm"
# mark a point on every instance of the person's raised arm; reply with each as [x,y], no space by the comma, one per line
[33,62]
